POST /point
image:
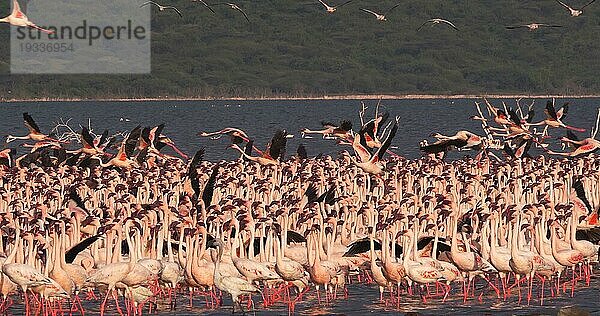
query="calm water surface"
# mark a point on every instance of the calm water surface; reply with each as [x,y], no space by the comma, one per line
[418,119]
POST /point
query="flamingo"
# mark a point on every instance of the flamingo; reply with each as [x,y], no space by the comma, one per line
[554,118]
[237,135]
[18,18]
[34,132]
[23,275]
[415,271]
[6,157]
[532,26]
[567,257]
[380,16]
[372,163]
[581,148]
[233,285]
[575,12]
[462,140]
[340,131]
[332,9]
[273,153]
[113,273]
[162,7]
[235,7]
[206,5]
[437,21]
[122,158]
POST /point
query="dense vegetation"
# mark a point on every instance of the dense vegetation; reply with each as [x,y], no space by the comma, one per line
[295,48]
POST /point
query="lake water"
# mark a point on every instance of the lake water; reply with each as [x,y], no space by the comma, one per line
[260,119]
[418,119]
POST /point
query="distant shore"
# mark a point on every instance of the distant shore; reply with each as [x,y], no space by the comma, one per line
[324,97]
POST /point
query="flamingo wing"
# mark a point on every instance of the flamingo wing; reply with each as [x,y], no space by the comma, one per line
[311,193]
[87,139]
[564,5]
[301,151]
[277,146]
[16,10]
[550,111]
[343,4]
[369,11]
[360,148]
[193,173]
[580,194]
[530,115]
[392,8]
[30,123]
[244,13]
[514,117]
[75,250]
[131,141]
[588,4]
[386,144]
[209,188]
[154,134]
[563,111]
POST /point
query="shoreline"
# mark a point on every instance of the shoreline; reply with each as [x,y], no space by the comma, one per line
[324,97]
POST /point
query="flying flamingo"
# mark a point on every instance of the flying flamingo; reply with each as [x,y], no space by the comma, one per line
[235,7]
[462,140]
[554,118]
[273,153]
[332,9]
[162,7]
[237,135]
[372,163]
[532,26]
[122,158]
[206,5]
[437,21]
[380,16]
[575,12]
[18,18]
[34,132]
[331,130]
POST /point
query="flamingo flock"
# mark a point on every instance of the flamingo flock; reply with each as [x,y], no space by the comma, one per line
[115,220]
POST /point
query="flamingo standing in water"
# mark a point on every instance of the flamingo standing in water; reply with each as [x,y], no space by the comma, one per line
[113,273]
[18,18]
[233,285]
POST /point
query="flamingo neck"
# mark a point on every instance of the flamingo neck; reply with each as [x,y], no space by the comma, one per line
[13,251]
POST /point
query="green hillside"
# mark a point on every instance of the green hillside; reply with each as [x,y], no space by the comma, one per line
[296,48]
